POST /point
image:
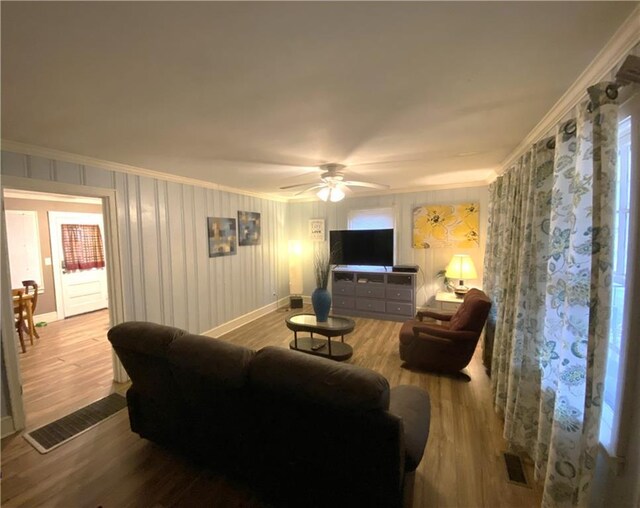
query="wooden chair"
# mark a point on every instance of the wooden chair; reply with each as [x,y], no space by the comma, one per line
[18,313]
[31,287]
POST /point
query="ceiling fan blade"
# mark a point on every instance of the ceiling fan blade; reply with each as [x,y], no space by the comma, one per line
[294,186]
[353,183]
[313,187]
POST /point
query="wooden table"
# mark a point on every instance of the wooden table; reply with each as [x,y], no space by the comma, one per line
[28,308]
[333,327]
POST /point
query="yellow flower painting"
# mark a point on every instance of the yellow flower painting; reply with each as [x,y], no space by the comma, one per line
[446,226]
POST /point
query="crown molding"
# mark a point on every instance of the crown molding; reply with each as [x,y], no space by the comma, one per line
[50,153]
[622,42]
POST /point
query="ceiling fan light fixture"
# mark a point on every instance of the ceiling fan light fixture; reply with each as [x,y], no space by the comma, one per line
[323,193]
[336,194]
[331,193]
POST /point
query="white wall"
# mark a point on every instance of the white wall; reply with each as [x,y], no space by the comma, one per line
[429,260]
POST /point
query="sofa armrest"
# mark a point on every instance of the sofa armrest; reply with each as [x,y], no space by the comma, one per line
[413,406]
[433,314]
[441,333]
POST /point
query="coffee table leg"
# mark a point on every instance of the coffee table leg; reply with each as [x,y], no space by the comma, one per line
[295,339]
[329,342]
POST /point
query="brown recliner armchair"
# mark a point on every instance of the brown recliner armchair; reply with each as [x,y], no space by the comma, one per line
[446,347]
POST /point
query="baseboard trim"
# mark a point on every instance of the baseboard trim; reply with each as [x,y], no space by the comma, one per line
[246,318]
[7,426]
[49,317]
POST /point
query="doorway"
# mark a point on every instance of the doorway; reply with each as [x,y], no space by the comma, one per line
[74,380]
[68,363]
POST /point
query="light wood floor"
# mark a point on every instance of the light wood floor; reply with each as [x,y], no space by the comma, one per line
[68,367]
[112,467]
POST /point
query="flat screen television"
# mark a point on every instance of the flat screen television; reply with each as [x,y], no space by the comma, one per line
[361,247]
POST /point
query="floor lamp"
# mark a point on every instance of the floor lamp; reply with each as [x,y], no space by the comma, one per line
[295,274]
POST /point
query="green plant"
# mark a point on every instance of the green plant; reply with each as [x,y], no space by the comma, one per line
[442,274]
[322,268]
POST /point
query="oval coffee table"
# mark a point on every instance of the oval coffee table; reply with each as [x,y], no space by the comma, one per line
[333,327]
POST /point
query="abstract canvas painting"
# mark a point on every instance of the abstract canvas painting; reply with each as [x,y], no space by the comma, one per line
[222,236]
[446,226]
[248,228]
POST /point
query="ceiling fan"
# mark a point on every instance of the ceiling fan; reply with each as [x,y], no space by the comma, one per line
[333,183]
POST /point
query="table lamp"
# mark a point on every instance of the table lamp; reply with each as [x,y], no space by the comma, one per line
[461,267]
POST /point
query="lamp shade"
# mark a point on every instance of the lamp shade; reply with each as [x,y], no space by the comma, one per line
[461,267]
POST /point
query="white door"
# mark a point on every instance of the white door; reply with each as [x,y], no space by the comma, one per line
[78,291]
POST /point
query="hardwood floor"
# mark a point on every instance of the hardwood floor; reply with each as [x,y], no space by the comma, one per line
[111,466]
[68,367]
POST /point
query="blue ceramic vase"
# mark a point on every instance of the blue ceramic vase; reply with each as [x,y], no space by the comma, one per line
[321,301]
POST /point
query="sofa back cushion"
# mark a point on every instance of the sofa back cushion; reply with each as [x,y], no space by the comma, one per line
[214,361]
[298,376]
[472,313]
[212,377]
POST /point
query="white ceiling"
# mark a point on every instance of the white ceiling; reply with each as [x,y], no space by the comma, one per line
[253,95]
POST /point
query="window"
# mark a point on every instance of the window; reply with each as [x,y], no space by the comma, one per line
[82,247]
[609,423]
[374,218]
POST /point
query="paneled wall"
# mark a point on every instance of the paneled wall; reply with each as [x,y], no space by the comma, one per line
[430,260]
[168,276]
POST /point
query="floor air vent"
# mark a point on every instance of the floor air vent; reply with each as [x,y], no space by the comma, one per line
[515,469]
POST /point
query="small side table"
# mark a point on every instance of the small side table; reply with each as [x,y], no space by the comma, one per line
[447,301]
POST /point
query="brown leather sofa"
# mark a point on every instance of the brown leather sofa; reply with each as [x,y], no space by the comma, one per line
[298,430]
[449,346]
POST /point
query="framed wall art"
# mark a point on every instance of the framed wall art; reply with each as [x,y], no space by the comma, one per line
[446,226]
[222,236]
[316,230]
[248,228]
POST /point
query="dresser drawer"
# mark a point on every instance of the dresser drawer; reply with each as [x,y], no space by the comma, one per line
[401,309]
[369,291]
[343,288]
[344,302]
[370,305]
[400,294]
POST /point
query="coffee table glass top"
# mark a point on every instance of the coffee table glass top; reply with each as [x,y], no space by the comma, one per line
[333,323]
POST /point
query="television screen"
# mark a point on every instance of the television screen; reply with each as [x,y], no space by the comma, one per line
[362,247]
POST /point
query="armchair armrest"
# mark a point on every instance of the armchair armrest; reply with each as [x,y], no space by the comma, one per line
[412,405]
[434,314]
[441,333]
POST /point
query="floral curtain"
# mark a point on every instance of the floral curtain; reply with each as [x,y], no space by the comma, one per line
[82,247]
[548,270]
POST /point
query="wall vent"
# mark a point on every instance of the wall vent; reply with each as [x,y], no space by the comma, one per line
[515,469]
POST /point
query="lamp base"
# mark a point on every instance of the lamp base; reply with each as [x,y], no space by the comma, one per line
[460,291]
